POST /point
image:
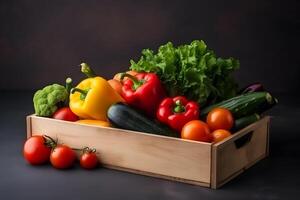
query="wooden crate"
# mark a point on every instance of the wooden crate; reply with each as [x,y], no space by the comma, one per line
[204,164]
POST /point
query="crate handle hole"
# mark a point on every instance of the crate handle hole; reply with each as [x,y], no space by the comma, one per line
[242,141]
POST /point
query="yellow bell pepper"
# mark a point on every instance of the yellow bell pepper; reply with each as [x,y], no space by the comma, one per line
[92,97]
[94,122]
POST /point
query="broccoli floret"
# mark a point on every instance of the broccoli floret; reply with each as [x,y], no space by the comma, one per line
[45,100]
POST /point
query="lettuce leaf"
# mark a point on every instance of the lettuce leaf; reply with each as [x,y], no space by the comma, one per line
[191,70]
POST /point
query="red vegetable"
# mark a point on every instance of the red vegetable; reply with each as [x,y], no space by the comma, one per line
[177,111]
[36,150]
[62,157]
[89,159]
[143,91]
[65,114]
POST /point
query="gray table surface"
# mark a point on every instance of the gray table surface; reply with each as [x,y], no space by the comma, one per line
[276,177]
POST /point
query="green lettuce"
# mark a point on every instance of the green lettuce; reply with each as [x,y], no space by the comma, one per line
[191,70]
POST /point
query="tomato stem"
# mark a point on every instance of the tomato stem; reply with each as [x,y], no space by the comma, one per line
[50,142]
[86,150]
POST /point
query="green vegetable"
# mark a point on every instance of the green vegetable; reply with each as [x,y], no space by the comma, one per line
[46,101]
[245,104]
[125,117]
[245,121]
[191,70]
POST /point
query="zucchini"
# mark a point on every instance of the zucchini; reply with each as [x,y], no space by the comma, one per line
[245,104]
[245,121]
[122,116]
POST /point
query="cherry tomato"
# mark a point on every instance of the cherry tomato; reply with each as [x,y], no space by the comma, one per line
[89,159]
[65,114]
[196,130]
[220,134]
[219,118]
[116,85]
[62,157]
[36,151]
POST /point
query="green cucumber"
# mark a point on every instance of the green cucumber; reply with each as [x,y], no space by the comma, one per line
[245,121]
[244,105]
[123,116]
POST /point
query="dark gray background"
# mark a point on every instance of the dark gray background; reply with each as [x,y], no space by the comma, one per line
[42,42]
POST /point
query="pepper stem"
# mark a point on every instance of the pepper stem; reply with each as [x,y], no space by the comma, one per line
[136,83]
[179,108]
[68,84]
[68,88]
[83,93]
[85,68]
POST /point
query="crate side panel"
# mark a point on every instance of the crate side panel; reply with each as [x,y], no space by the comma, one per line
[231,160]
[132,150]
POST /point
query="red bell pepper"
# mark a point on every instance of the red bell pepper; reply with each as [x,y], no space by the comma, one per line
[143,91]
[177,111]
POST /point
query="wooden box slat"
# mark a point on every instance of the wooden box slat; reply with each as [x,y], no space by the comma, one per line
[205,164]
[133,150]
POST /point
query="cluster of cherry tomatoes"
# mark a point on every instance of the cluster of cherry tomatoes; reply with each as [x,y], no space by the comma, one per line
[218,123]
[40,150]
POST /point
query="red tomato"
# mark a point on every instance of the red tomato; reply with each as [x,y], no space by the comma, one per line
[89,160]
[35,150]
[62,157]
[219,118]
[65,114]
[220,134]
[196,130]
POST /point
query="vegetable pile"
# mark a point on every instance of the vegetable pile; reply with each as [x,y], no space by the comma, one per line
[184,91]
